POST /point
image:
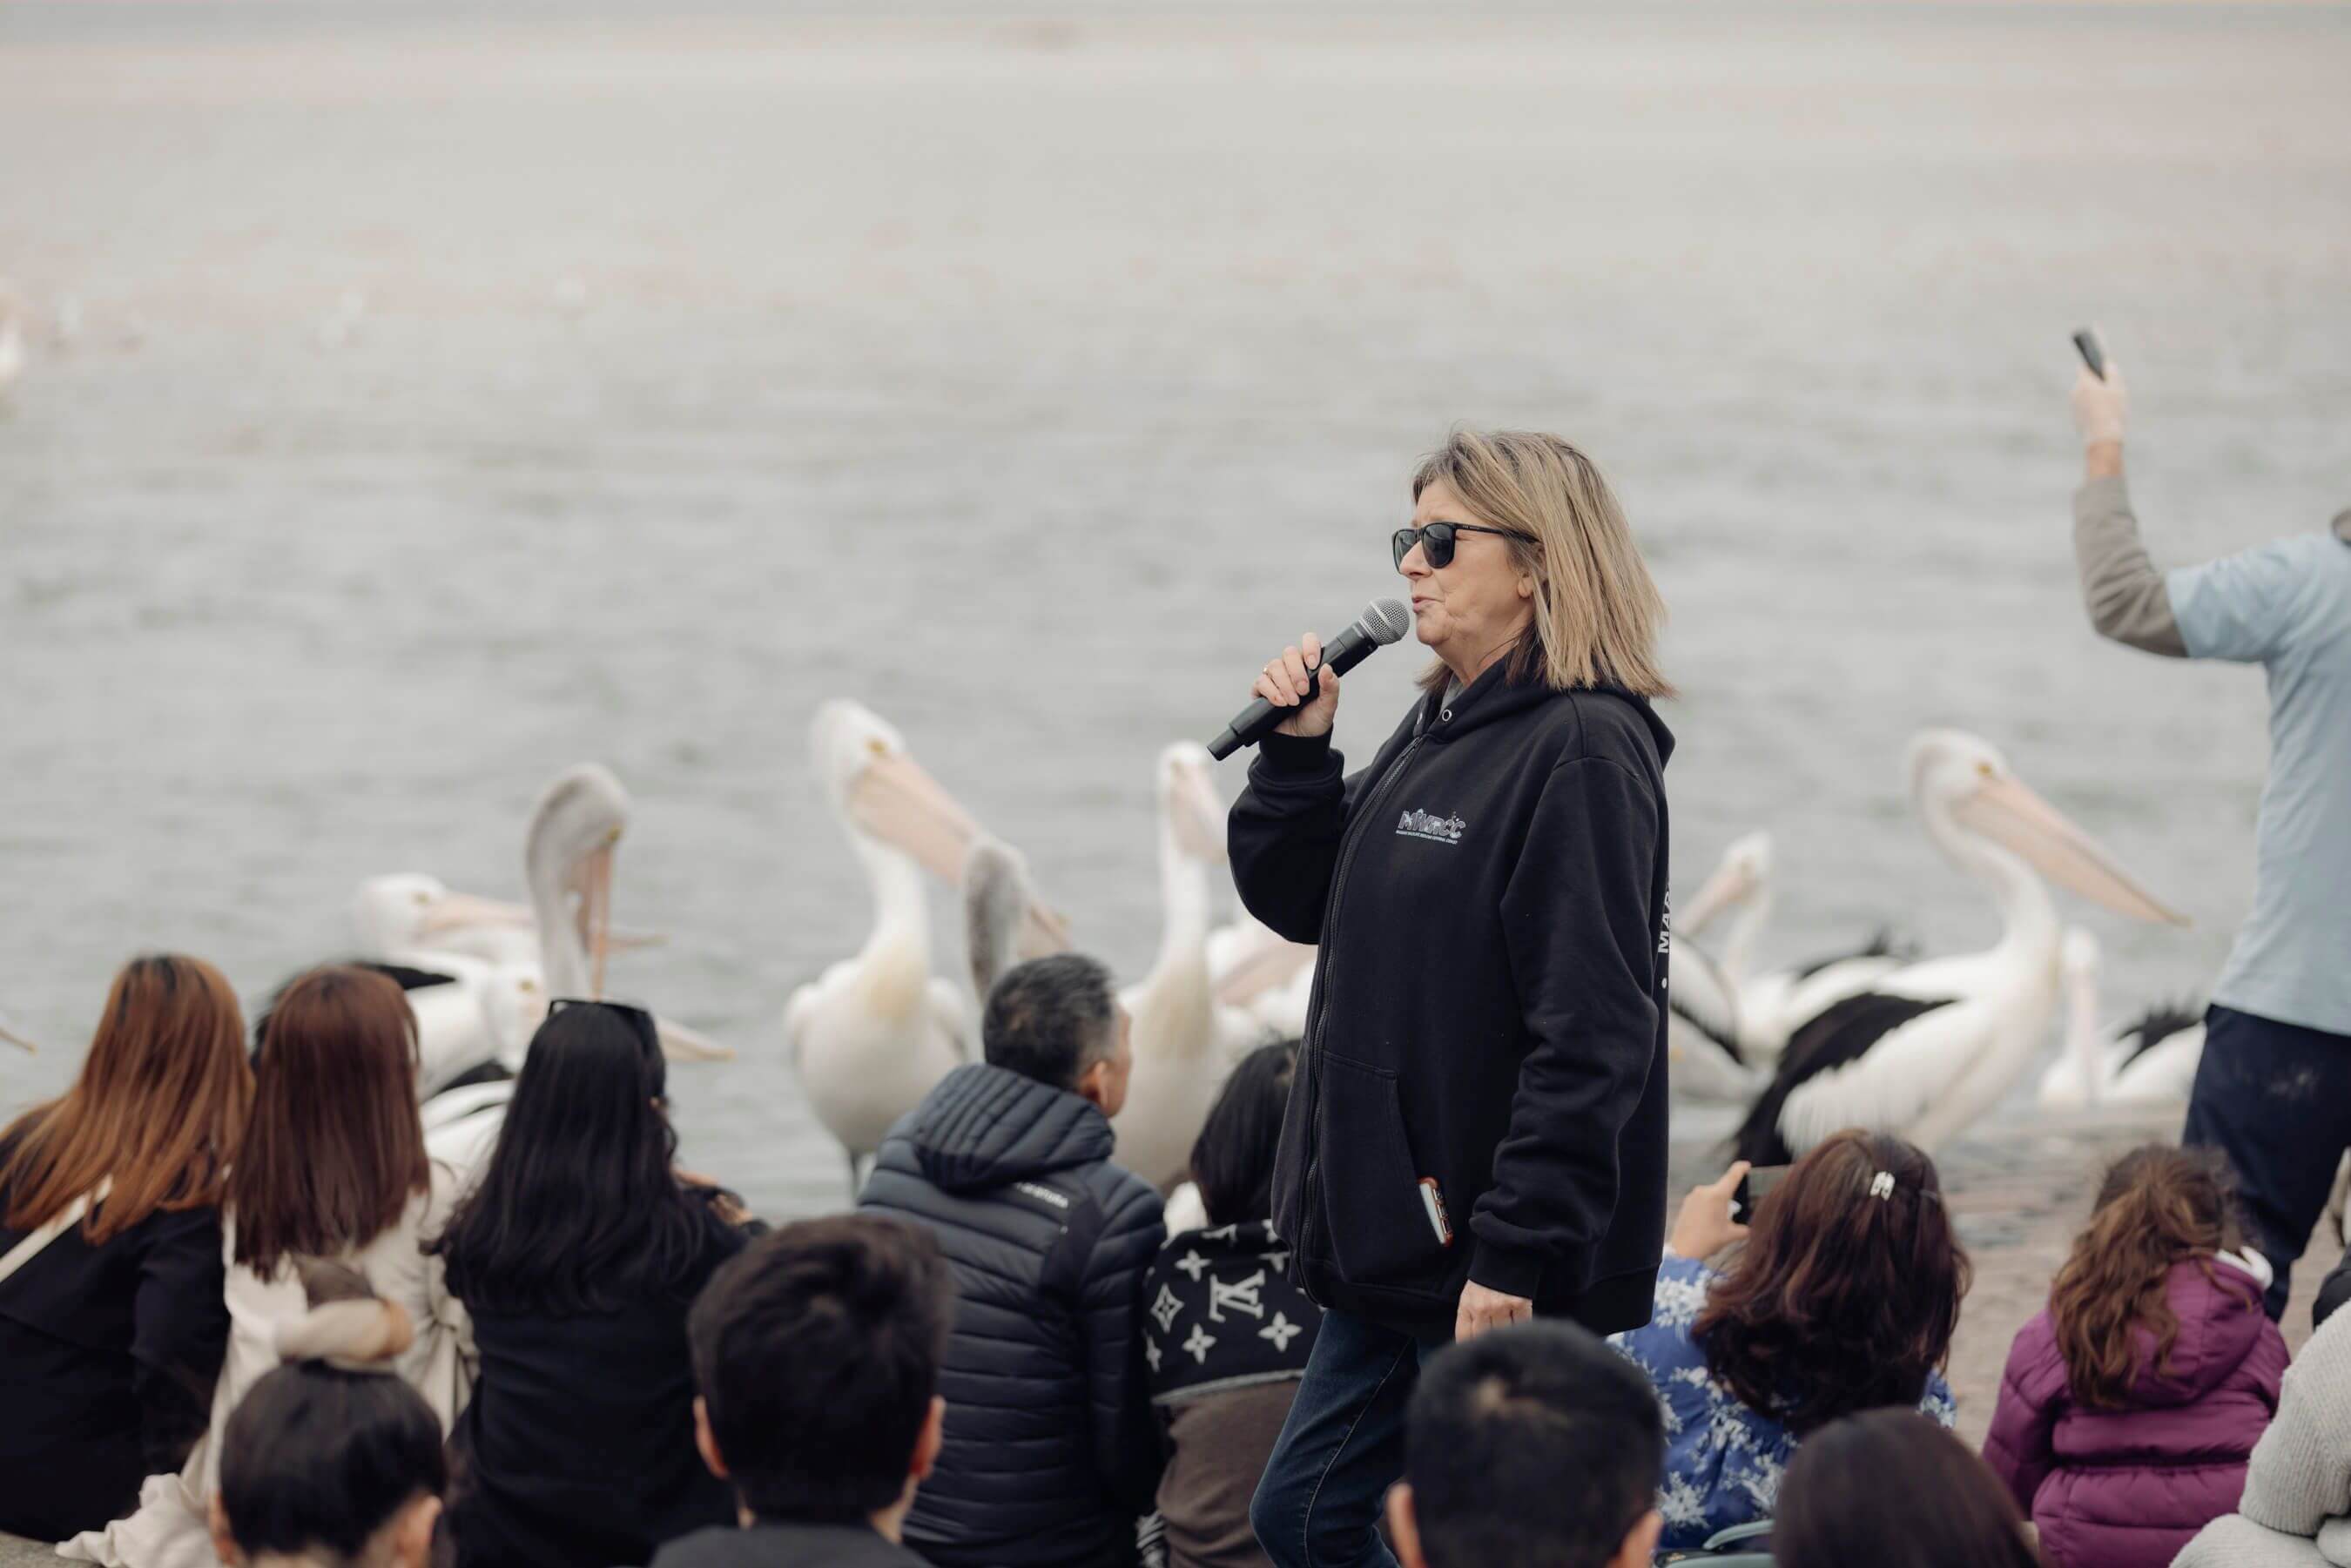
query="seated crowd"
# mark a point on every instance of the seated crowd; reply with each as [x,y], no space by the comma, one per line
[245,1317]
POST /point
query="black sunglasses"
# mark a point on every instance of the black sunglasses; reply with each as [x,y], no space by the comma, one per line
[636,1018]
[1435,540]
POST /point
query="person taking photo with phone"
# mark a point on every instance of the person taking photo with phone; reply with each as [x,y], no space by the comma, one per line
[2272,1091]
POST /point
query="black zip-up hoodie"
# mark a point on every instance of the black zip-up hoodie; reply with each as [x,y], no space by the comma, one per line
[1489,898]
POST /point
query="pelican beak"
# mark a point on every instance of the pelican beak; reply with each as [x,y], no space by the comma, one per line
[10,1037]
[1728,886]
[2009,814]
[894,800]
[900,804]
[1044,933]
[456,911]
[680,1044]
[1197,815]
[634,941]
[595,884]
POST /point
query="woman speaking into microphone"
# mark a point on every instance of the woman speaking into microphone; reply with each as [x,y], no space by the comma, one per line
[1477,1131]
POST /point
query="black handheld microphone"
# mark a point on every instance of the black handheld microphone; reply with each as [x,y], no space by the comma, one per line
[1383,622]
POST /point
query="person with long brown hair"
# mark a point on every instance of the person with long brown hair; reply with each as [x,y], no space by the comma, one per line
[332,1169]
[1844,1298]
[111,1321]
[2133,1402]
[1892,1490]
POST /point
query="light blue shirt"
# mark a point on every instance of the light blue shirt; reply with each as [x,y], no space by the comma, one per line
[2286,606]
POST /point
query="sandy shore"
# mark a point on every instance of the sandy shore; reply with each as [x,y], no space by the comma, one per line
[2018,1193]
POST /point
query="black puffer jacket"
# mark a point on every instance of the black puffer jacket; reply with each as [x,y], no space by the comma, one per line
[1051,1448]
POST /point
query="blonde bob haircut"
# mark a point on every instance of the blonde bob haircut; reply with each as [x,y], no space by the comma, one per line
[1596,611]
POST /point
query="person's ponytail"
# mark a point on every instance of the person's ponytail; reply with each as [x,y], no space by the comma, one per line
[2160,1206]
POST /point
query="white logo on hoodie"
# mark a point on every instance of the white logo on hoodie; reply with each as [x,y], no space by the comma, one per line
[1436,829]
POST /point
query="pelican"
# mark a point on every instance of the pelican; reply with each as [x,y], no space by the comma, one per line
[2150,1060]
[872,1034]
[1765,1008]
[1185,1040]
[1932,1046]
[568,856]
[1002,926]
[1705,1057]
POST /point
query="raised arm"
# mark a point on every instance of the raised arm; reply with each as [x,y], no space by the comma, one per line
[2126,596]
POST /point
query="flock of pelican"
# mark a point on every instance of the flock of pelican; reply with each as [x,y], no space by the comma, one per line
[872,1034]
[1922,1047]
[1878,1037]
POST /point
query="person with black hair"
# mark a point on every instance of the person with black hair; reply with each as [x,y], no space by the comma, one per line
[817,1352]
[1229,1333]
[332,1460]
[577,1255]
[1893,1490]
[1050,1452]
[1529,1447]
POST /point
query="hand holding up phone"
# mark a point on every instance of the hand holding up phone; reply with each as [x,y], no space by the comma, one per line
[1705,1224]
[2101,402]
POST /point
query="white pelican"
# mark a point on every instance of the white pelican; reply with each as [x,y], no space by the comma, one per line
[1000,905]
[1704,1059]
[568,856]
[2150,1060]
[1933,1046]
[874,1033]
[1185,1040]
[1764,1009]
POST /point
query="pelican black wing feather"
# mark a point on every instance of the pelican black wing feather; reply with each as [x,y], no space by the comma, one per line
[2157,1024]
[408,979]
[1831,1039]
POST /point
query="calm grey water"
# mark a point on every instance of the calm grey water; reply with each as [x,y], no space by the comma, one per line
[1032,381]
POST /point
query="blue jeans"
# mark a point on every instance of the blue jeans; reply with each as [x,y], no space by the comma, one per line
[1318,1503]
[2275,1099]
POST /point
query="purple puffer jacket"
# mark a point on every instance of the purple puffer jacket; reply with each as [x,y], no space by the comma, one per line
[2126,1489]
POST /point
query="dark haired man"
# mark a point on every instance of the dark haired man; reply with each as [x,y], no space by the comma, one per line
[1529,1447]
[817,1352]
[1050,1452]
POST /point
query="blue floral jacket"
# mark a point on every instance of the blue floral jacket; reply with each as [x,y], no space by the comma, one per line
[1723,1460]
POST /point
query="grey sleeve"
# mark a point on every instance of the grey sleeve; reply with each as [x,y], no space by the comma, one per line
[2120,587]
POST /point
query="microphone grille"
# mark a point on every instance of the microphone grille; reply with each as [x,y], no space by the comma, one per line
[1387,619]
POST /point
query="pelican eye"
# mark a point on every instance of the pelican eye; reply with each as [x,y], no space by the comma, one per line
[1985,770]
[421,899]
[878,746]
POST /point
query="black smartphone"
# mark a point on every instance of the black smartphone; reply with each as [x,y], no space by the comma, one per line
[2092,352]
[1758,1181]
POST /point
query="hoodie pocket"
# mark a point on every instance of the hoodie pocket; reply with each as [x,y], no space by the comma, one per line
[1380,1230]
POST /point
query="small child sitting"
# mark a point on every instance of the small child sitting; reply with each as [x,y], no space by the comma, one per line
[2132,1403]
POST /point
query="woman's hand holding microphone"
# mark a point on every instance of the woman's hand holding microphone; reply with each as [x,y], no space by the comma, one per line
[1286,679]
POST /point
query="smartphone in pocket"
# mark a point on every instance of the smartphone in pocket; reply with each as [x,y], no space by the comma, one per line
[1433,1201]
